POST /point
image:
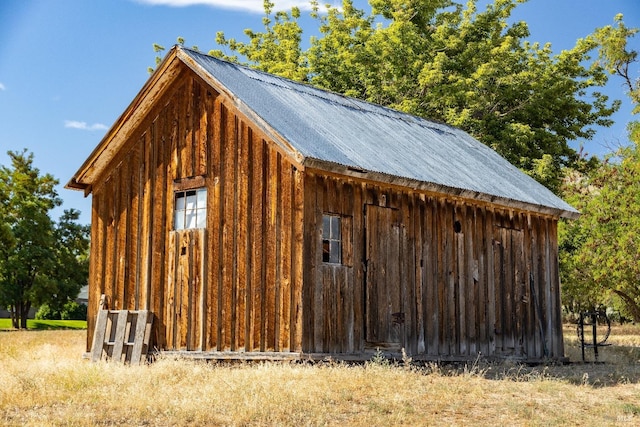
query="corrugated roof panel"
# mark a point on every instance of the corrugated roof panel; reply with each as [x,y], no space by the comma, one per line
[333,128]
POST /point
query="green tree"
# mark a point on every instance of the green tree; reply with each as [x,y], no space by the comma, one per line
[446,61]
[579,291]
[71,263]
[36,262]
[276,50]
[600,256]
[606,256]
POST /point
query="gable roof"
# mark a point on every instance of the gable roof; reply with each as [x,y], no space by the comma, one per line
[328,131]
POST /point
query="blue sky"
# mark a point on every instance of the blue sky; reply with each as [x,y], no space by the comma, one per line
[69,68]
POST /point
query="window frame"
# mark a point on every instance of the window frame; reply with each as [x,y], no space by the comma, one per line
[190,218]
[331,239]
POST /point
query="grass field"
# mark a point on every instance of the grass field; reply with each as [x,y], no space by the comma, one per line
[5,324]
[45,382]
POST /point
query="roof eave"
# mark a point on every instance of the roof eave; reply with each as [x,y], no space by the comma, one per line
[128,121]
[428,187]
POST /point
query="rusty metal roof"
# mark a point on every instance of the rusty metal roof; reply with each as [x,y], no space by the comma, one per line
[327,127]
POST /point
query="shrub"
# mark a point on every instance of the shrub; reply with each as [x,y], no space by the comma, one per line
[73,311]
[47,313]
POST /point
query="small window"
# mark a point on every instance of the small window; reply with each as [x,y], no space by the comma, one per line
[331,239]
[190,209]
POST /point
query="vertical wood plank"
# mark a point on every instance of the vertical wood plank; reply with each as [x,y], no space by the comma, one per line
[441,279]
[133,229]
[134,352]
[170,316]
[508,285]
[310,264]
[471,272]
[247,242]
[449,246]
[99,335]
[460,261]
[161,167]
[227,245]
[98,260]
[201,298]
[192,122]
[297,248]
[257,243]
[143,319]
[185,288]
[121,329]
[242,245]
[276,169]
[348,272]
[419,224]
[547,308]
[203,136]
[529,310]
[482,284]
[264,260]
[141,227]
[185,130]
[147,215]
[234,230]
[271,254]
[286,235]
[214,221]
[500,261]
[490,250]
[358,268]
[121,236]
[408,276]
[110,253]
[316,241]
[431,282]
[519,295]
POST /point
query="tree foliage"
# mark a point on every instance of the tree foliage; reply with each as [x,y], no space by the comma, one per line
[42,260]
[71,268]
[446,61]
[601,251]
[600,260]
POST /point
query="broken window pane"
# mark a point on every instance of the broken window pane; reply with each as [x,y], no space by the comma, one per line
[331,239]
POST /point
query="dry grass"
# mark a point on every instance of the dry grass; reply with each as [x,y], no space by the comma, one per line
[44,381]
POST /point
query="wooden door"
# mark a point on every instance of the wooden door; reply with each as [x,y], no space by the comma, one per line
[186,290]
[384,309]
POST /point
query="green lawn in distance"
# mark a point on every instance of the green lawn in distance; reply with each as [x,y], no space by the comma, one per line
[47,324]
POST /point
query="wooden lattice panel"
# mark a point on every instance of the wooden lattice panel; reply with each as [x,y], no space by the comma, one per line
[122,335]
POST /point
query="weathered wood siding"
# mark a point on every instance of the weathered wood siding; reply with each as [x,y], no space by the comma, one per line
[438,276]
[471,278]
[236,285]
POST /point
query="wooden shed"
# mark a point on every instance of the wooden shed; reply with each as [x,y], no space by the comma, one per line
[259,217]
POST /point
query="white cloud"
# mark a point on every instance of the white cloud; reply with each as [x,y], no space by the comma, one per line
[2,87]
[254,6]
[74,124]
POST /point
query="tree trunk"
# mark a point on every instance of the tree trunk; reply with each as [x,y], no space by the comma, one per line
[19,314]
[14,318]
[630,303]
[26,306]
